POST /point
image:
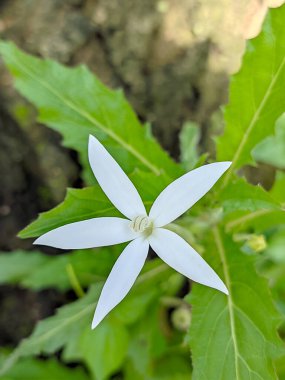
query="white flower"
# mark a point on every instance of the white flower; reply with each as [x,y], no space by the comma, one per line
[141,229]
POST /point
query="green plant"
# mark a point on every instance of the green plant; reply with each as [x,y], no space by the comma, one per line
[237,228]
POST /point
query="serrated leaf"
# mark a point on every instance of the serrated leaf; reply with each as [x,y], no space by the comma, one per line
[241,195]
[61,330]
[75,103]
[248,207]
[235,336]
[272,150]
[81,204]
[257,96]
[65,329]
[258,221]
[70,331]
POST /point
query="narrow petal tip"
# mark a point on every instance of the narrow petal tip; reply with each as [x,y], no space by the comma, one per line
[113,180]
[224,289]
[224,165]
[220,285]
[92,140]
[38,241]
[121,279]
[95,323]
[42,240]
[227,163]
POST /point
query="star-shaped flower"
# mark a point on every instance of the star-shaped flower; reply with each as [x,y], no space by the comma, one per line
[141,229]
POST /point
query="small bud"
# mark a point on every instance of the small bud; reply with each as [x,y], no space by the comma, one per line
[257,243]
[181,318]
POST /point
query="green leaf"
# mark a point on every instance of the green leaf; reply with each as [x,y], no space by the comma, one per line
[189,138]
[62,330]
[81,204]
[33,369]
[272,150]
[155,353]
[104,349]
[147,344]
[248,207]
[257,96]
[65,330]
[275,275]
[275,247]
[75,103]
[148,288]
[241,195]
[18,265]
[258,221]
[281,368]
[37,271]
[277,191]
[172,367]
[235,336]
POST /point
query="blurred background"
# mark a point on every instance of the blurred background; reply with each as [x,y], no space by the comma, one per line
[173,60]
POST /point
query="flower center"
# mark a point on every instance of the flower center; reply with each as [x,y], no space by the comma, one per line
[142,224]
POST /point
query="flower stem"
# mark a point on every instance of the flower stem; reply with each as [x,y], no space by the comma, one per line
[74,281]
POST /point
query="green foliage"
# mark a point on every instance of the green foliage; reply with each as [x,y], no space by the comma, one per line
[33,269]
[189,139]
[275,246]
[32,369]
[240,195]
[75,103]
[53,333]
[104,349]
[16,266]
[247,206]
[246,338]
[257,97]
[173,368]
[154,356]
[81,204]
[277,190]
[232,337]
[272,149]
[70,330]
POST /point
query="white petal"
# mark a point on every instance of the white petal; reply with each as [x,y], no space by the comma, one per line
[114,182]
[178,254]
[122,277]
[184,192]
[90,233]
